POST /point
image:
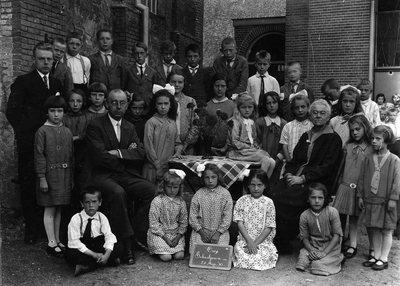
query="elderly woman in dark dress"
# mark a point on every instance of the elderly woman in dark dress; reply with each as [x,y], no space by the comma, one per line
[316,158]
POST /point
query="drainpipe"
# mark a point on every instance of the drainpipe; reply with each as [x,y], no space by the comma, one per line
[145,23]
[371,60]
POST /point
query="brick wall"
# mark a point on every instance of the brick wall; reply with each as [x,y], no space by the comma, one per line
[180,21]
[24,24]
[329,38]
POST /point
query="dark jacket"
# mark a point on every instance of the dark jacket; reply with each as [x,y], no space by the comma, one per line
[113,76]
[101,138]
[25,110]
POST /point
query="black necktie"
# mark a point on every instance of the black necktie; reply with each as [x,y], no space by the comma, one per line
[262,85]
[292,86]
[107,61]
[53,69]
[88,230]
[141,71]
[193,71]
[45,81]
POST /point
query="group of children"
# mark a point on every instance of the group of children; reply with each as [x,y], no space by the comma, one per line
[163,116]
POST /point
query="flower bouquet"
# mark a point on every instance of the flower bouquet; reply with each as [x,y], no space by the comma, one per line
[212,130]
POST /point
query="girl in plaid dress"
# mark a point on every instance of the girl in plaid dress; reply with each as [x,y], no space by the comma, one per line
[168,218]
[211,210]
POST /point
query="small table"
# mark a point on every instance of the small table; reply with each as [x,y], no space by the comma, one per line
[232,170]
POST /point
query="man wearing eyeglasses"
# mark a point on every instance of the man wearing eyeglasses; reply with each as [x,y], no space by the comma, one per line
[113,151]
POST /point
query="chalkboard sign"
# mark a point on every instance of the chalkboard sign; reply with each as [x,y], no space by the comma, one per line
[212,256]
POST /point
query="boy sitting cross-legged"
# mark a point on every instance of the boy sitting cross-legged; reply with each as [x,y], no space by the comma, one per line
[91,244]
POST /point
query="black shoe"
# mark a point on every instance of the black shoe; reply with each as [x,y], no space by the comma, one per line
[370,262]
[129,256]
[52,251]
[382,266]
[348,254]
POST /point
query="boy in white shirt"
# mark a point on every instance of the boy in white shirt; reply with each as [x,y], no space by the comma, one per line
[370,107]
[262,82]
[79,65]
[91,244]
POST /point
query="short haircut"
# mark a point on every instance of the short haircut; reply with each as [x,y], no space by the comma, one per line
[61,41]
[319,187]
[349,91]
[171,176]
[55,102]
[228,41]
[137,97]
[74,35]
[393,110]
[218,76]
[139,45]
[98,87]
[300,97]
[387,133]
[173,110]
[43,47]
[167,46]
[323,103]
[105,30]
[331,83]
[361,120]
[175,72]
[91,191]
[116,90]
[193,48]
[258,174]
[217,171]
[380,95]
[77,91]
[262,105]
[263,54]
[366,82]
[291,64]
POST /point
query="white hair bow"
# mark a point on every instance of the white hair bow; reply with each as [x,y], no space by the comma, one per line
[350,87]
[167,87]
[301,92]
[181,174]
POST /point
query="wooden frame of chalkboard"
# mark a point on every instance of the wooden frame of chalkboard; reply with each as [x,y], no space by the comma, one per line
[211,256]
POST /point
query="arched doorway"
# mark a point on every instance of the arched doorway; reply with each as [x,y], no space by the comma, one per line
[273,43]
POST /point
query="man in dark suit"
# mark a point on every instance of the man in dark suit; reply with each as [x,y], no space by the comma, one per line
[107,67]
[59,69]
[26,114]
[113,151]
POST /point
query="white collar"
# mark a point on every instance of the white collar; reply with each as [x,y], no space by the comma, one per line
[173,62]
[86,217]
[68,56]
[220,101]
[195,68]
[113,121]
[48,123]
[334,102]
[259,75]
[42,74]
[365,102]
[139,66]
[104,54]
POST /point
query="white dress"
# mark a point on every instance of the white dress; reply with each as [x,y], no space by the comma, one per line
[256,214]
